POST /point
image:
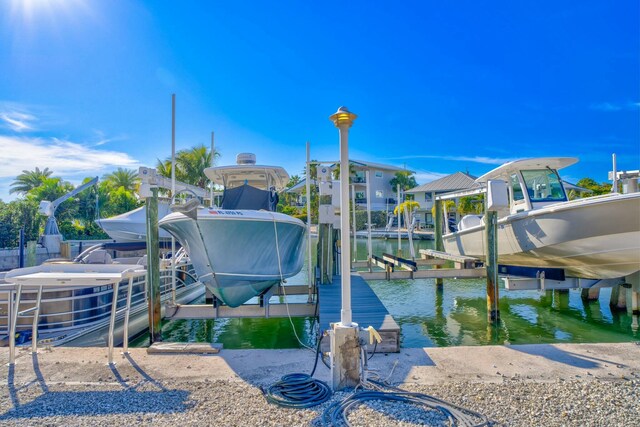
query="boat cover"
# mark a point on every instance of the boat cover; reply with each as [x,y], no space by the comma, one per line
[248,197]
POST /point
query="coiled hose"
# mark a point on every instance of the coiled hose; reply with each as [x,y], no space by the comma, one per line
[299,390]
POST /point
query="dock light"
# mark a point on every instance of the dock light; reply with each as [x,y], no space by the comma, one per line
[345,347]
[343,117]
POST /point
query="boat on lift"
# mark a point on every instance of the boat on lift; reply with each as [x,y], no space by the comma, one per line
[244,247]
[595,237]
[132,226]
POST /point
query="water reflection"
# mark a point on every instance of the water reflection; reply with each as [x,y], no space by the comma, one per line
[453,315]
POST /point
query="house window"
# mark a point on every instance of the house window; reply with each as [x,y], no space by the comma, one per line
[427,197]
[379,194]
[428,218]
[378,174]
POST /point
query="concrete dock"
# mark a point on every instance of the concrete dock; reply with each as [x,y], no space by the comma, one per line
[563,384]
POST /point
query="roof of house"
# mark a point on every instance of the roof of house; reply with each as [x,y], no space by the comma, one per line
[379,166]
[456,181]
[376,166]
[299,186]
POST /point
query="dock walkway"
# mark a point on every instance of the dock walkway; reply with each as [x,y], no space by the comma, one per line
[367,310]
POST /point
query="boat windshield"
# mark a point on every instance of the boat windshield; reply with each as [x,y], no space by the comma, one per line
[543,185]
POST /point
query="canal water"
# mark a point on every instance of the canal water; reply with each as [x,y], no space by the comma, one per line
[429,318]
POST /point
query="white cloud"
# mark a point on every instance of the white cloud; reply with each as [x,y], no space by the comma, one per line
[422,177]
[474,159]
[612,107]
[66,159]
[17,121]
[63,157]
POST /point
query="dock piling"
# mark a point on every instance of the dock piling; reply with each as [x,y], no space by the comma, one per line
[438,237]
[153,267]
[493,294]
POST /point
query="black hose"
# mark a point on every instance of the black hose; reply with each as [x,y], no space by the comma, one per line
[299,390]
[337,413]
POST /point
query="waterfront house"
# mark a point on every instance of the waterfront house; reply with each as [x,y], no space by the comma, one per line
[383,196]
[425,194]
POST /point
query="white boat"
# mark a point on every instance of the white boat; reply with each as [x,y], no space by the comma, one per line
[132,226]
[595,237]
[79,316]
[243,248]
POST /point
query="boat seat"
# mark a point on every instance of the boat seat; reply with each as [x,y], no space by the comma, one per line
[98,257]
[469,221]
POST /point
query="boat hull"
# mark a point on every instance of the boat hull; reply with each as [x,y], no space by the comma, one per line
[239,254]
[132,226]
[596,238]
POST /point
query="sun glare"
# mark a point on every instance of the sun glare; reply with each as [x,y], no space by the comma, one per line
[30,11]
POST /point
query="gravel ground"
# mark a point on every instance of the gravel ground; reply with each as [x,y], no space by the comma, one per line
[513,402]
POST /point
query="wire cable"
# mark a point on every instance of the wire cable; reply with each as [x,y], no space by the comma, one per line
[337,413]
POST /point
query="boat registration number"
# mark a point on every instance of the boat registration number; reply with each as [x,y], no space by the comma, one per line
[224,212]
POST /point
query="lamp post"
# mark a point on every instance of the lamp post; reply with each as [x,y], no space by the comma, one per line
[345,347]
[343,119]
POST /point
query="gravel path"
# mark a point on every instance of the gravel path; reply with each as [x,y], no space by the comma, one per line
[514,402]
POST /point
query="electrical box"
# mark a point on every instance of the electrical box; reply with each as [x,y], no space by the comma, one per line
[327,215]
[497,195]
[336,195]
[324,188]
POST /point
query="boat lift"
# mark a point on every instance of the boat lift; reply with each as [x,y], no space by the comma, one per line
[55,276]
[51,237]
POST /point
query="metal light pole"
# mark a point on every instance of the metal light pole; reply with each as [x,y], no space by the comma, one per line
[343,119]
[173,195]
[345,348]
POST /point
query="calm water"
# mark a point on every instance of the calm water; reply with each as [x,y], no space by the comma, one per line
[428,318]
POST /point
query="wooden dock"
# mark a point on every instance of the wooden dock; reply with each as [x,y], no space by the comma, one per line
[367,310]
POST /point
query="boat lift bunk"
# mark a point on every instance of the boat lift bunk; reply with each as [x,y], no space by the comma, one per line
[54,276]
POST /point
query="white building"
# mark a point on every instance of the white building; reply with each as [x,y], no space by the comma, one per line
[425,194]
[383,196]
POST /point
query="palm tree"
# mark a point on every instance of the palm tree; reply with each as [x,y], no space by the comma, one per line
[28,180]
[190,165]
[127,178]
[406,180]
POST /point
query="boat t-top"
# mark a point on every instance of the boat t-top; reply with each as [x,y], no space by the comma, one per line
[594,237]
[242,248]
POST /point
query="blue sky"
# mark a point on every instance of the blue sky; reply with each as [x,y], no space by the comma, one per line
[438,87]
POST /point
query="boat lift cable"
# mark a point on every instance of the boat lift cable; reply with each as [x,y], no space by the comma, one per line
[284,292]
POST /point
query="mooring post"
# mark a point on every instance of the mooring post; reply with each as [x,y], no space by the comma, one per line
[438,236]
[493,295]
[633,300]
[618,298]
[153,267]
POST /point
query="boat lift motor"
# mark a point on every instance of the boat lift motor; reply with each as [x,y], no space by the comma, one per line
[51,238]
